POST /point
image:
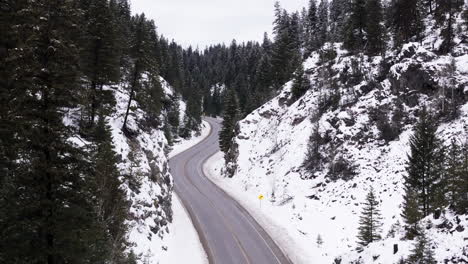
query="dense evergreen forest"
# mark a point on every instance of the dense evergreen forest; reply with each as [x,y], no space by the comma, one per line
[365,28]
[60,61]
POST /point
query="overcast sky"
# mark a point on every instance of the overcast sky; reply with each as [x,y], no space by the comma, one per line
[204,22]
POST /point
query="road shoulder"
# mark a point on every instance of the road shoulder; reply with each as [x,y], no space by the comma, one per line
[184,243]
[212,170]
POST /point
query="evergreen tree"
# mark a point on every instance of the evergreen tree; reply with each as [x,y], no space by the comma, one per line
[149,99]
[263,77]
[411,213]
[295,34]
[447,8]
[313,158]
[444,8]
[301,83]
[461,182]
[406,21]
[370,221]
[51,217]
[99,59]
[286,55]
[230,117]
[192,118]
[112,205]
[374,28]
[13,91]
[150,94]
[338,17]
[425,161]
[425,170]
[355,35]
[422,251]
[173,115]
[323,23]
[121,17]
[143,61]
[312,27]
[454,165]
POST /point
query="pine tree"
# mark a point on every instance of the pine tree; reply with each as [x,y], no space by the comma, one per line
[454,164]
[230,117]
[173,115]
[149,99]
[313,158]
[323,23]
[425,165]
[121,17]
[150,94]
[370,221]
[338,17]
[312,27]
[51,216]
[194,112]
[422,251]
[406,21]
[411,213]
[295,34]
[263,77]
[99,57]
[355,35]
[301,84]
[461,182]
[286,55]
[13,91]
[112,204]
[143,61]
[374,28]
[447,8]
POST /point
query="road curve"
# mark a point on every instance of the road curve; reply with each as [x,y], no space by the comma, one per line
[227,231]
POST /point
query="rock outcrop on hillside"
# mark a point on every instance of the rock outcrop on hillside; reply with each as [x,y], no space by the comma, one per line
[360,114]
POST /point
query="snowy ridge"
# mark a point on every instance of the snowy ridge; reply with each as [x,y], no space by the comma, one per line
[159,223]
[151,201]
[272,145]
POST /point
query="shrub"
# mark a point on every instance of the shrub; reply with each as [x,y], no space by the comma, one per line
[340,168]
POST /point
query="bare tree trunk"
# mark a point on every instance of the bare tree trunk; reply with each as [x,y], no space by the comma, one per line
[132,91]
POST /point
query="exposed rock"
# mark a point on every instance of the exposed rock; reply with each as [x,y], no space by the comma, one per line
[460,228]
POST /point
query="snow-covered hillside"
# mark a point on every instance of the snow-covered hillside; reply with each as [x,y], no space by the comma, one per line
[301,206]
[158,221]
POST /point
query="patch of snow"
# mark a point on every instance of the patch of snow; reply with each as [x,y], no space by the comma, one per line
[183,145]
[184,245]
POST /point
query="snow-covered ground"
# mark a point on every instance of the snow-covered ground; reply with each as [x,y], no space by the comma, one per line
[161,231]
[184,244]
[148,183]
[299,207]
[267,215]
[183,145]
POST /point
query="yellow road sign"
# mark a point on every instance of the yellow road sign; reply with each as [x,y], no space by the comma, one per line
[260,197]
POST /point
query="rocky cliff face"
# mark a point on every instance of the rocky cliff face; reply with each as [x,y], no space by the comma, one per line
[147,181]
[359,113]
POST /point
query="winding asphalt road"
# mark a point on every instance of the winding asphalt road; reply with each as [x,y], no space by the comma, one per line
[227,231]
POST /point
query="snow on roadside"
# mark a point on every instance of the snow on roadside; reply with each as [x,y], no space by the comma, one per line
[261,212]
[161,231]
[184,245]
[186,144]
